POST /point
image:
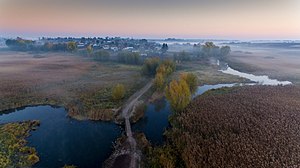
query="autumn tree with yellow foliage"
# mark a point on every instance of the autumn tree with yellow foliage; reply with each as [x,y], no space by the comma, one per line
[118,92]
[179,95]
[159,81]
[191,79]
[165,69]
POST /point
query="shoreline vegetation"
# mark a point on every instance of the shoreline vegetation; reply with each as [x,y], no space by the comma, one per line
[14,152]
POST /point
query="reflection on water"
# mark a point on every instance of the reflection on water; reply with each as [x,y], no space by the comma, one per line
[155,121]
[60,140]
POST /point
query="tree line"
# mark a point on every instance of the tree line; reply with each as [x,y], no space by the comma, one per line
[202,51]
[20,44]
[209,49]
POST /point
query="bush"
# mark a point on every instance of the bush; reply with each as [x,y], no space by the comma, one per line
[101,55]
[129,57]
[33,158]
[182,56]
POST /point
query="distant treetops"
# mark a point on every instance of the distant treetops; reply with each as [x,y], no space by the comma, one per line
[19,44]
[209,49]
[164,48]
[24,45]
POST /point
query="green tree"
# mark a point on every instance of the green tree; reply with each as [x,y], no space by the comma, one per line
[159,81]
[89,49]
[150,65]
[164,48]
[71,46]
[191,79]
[118,92]
[225,50]
[178,94]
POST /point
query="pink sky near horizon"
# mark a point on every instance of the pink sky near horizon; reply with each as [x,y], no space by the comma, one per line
[275,20]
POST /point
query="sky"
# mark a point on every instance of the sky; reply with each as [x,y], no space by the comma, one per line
[220,19]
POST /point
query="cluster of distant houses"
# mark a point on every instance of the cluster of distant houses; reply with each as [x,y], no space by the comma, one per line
[114,44]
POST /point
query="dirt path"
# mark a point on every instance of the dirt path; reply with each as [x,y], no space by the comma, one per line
[126,113]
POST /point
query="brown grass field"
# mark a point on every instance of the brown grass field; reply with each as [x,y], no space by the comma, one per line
[80,84]
[279,63]
[251,126]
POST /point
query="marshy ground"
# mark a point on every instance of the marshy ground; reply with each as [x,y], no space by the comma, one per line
[250,126]
[282,63]
[78,83]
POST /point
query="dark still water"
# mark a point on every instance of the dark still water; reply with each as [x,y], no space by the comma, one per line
[60,140]
[155,120]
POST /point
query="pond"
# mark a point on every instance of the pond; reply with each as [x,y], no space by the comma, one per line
[61,140]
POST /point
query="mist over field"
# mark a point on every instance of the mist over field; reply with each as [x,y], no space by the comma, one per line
[137,83]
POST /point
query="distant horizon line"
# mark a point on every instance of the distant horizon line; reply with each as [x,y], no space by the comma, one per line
[153,38]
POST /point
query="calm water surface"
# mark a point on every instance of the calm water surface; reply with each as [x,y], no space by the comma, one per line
[260,79]
[60,140]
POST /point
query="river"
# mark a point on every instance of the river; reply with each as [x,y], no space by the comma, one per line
[61,140]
